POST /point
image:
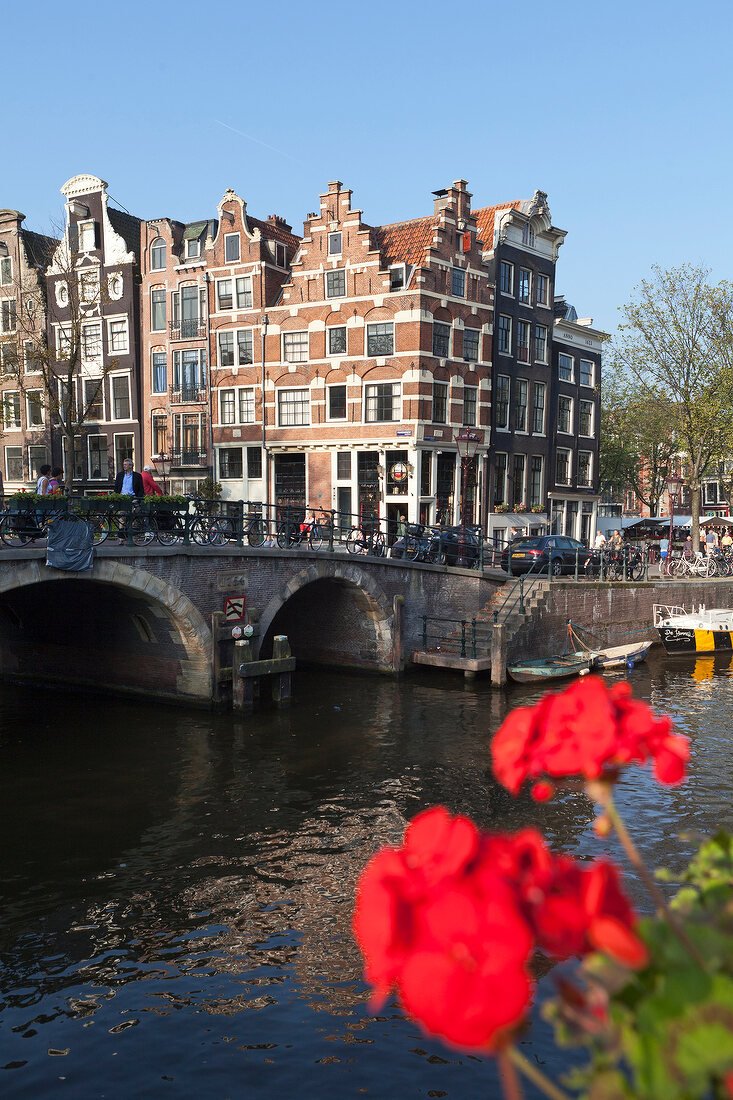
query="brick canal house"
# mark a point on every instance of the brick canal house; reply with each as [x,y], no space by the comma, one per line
[376,352]
[27,428]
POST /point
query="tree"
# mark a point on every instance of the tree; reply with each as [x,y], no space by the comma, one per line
[638,442]
[56,347]
[675,346]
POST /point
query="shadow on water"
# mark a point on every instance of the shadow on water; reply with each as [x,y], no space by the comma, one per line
[177,886]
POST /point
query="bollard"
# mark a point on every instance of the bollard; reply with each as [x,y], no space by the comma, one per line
[473,638]
[577,551]
[498,655]
[398,631]
[281,681]
[425,633]
[463,637]
[521,595]
[601,573]
[242,686]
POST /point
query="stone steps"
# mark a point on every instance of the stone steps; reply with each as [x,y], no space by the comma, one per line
[484,619]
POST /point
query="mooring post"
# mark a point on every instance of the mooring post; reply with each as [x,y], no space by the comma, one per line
[498,655]
[398,656]
[216,620]
[242,686]
[281,681]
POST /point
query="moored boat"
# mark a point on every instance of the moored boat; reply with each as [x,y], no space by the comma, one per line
[707,630]
[619,656]
[551,668]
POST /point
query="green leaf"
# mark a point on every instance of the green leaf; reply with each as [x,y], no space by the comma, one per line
[707,1048]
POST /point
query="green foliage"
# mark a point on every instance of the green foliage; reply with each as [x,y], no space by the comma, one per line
[166,498]
[209,489]
[666,1032]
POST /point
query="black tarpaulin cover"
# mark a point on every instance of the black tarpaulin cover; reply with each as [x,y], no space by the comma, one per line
[70,545]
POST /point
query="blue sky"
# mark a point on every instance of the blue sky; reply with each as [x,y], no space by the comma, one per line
[620,112]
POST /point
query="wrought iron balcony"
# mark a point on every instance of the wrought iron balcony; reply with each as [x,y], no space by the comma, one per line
[188,395]
[189,458]
[187,330]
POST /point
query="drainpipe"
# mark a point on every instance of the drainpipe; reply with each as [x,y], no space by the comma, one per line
[265,455]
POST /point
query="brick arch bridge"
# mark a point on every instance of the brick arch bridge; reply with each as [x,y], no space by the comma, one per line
[142,620]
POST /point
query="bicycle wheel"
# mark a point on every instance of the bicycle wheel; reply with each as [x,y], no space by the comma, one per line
[412,548]
[100,528]
[221,531]
[317,536]
[256,533]
[14,531]
[283,536]
[636,570]
[199,531]
[170,529]
[144,530]
[355,543]
[379,547]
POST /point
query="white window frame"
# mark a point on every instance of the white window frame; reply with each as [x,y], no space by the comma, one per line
[398,268]
[243,292]
[193,248]
[504,378]
[219,283]
[88,281]
[337,419]
[95,359]
[519,385]
[30,365]
[564,355]
[102,398]
[112,411]
[16,422]
[33,474]
[6,270]
[564,451]
[540,329]
[370,334]
[334,328]
[456,293]
[293,354]
[571,410]
[524,300]
[506,263]
[251,400]
[160,290]
[328,277]
[508,349]
[12,314]
[591,433]
[225,339]
[302,403]
[82,230]
[538,283]
[539,387]
[232,259]
[38,404]
[586,484]
[231,405]
[332,240]
[111,335]
[524,350]
[587,363]
[7,475]
[477,333]
[155,247]
[237,359]
[153,353]
[103,474]
[396,398]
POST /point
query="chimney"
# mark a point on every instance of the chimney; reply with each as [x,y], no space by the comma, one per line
[457,198]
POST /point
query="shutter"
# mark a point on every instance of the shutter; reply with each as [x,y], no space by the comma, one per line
[97,235]
[466,242]
[73,237]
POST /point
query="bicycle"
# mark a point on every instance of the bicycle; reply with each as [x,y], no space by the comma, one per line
[366,540]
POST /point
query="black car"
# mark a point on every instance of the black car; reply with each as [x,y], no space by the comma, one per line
[544,554]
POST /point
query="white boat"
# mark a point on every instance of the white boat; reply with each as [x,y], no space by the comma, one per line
[619,656]
[707,630]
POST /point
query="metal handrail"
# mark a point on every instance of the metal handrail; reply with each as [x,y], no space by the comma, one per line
[462,623]
[508,607]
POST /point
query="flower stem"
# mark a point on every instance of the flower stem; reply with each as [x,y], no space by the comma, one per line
[535,1075]
[603,794]
[511,1086]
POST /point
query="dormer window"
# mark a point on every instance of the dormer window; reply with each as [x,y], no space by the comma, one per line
[157,254]
[528,235]
[87,236]
[334,244]
[397,277]
[193,249]
[281,256]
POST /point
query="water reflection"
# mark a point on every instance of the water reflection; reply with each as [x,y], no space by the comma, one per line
[177,887]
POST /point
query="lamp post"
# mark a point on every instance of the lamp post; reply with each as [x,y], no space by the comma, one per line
[467,443]
[264,321]
[674,484]
[162,463]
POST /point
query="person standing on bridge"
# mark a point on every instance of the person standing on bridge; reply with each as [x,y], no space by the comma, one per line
[128,482]
[150,485]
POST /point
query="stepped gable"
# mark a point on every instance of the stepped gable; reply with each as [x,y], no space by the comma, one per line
[485,217]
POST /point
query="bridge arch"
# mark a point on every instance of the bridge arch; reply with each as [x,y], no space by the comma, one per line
[335,613]
[145,636]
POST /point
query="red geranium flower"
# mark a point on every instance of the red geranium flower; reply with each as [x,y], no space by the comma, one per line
[586,730]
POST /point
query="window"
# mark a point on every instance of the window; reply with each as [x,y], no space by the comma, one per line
[88,286]
[470,344]
[523,330]
[337,402]
[86,235]
[224,293]
[565,367]
[441,339]
[6,270]
[123,449]
[470,395]
[244,347]
[506,277]
[230,463]
[500,466]
[426,474]
[121,397]
[336,283]
[91,342]
[118,335]
[231,248]
[538,409]
[535,481]
[501,401]
[543,290]
[585,418]
[160,434]
[343,465]
[337,340]
[157,310]
[188,435]
[189,373]
[226,349]
[564,413]
[458,283]
[243,286]
[525,285]
[397,277]
[528,235]
[504,334]
[382,402]
[518,480]
[11,410]
[34,408]
[440,403]
[521,396]
[585,460]
[93,399]
[97,450]
[160,373]
[281,256]
[254,462]
[193,249]
[247,406]
[227,407]
[157,254]
[380,338]
[14,463]
[8,315]
[334,244]
[36,458]
[32,362]
[540,343]
[562,468]
[586,372]
[295,347]
[293,407]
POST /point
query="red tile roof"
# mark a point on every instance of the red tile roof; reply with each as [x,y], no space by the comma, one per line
[485,220]
[405,242]
[271,231]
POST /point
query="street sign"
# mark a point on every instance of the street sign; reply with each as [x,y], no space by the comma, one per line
[234,608]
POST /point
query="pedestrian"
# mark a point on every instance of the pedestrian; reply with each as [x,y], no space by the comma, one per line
[711,540]
[43,477]
[150,485]
[56,480]
[401,528]
[617,542]
[663,549]
[600,541]
[128,482]
[727,540]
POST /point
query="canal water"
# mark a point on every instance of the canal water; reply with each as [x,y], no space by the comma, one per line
[177,887]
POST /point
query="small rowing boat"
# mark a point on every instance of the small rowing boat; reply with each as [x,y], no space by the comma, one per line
[619,656]
[551,668]
[702,631]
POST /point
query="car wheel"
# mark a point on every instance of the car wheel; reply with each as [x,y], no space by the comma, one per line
[556,567]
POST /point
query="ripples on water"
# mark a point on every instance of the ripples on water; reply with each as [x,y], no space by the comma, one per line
[177,887]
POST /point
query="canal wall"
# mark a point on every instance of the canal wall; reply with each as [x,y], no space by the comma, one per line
[615,613]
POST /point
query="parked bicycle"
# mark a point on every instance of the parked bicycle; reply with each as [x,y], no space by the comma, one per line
[366,539]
